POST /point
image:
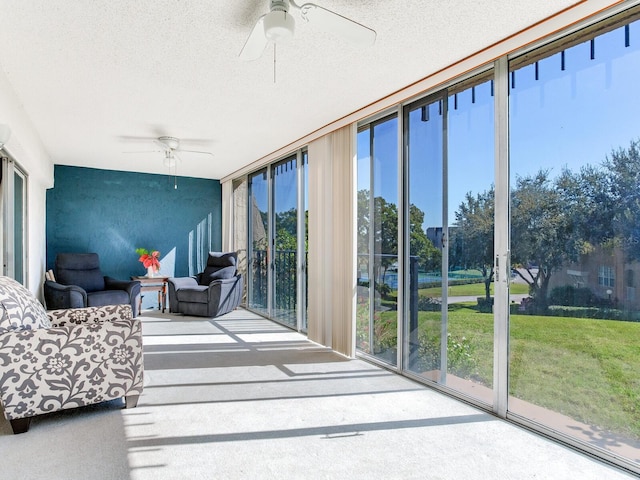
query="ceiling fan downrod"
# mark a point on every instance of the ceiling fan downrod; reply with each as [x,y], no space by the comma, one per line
[279,6]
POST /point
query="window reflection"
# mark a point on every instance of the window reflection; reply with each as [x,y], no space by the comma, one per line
[377,300]
[258,242]
[575,163]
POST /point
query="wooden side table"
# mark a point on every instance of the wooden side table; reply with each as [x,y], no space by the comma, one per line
[154,284]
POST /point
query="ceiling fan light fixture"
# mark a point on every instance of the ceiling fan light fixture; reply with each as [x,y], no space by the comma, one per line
[169,159]
[169,142]
[278,26]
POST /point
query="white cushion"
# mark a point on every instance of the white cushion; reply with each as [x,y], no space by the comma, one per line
[19,308]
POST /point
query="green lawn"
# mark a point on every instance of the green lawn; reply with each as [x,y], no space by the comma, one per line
[468,290]
[586,369]
[471,289]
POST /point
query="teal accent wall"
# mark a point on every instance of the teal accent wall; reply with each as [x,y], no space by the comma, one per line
[112,213]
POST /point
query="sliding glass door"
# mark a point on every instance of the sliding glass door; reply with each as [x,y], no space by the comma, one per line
[285,230]
[303,241]
[503,266]
[449,212]
[378,268]
[575,249]
[14,221]
[277,286]
[258,281]
[470,252]
[426,325]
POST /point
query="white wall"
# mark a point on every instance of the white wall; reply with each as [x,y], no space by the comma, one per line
[27,150]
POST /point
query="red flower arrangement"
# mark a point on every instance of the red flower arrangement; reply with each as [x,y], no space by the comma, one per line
[149,258]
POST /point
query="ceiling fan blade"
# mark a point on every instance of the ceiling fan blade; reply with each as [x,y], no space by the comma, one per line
[193,151]
[133,138]
[332,22]
[256,43]
[144,151]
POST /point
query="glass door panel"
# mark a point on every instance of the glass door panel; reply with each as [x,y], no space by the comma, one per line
[277,232]
[258,267]
[303,244]
[450,210]
[575,165]
[285,228]
[426,322]
[378,269]
[363,314]
[240,224]
[19,194]
[14,220]
[470,192]
[384,240]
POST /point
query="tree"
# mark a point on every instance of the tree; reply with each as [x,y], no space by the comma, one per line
[385,240]
[623,169]
[553,222]
[363,223]
[541,232]
[588,208]
[385,234]
[429,257]
[286,230]
[471,239]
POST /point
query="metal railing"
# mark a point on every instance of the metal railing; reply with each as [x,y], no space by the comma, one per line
[285,297]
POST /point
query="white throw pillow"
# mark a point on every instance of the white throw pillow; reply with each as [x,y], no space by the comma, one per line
[19,308]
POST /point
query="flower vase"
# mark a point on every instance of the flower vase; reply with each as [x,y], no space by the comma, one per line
[151,272]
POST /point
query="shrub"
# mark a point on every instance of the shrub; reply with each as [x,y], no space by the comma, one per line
[573,297]
[383,289]
[461,359]
[384,329]
[485,305]
[593,312]
[452,282]
[429,304]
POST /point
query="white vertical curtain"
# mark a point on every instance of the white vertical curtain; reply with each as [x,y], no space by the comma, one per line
[332,285]
[227,216]
[234,224]
[240,225]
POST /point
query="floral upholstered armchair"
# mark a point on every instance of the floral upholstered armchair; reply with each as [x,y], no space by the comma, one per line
[64,359]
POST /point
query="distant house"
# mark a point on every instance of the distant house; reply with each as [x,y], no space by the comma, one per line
[607,274]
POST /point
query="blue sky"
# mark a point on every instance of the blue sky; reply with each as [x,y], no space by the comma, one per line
[285,189]
[564,118]
[569,117]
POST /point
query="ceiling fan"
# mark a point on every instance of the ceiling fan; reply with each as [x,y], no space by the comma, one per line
[278,25]
[170,148]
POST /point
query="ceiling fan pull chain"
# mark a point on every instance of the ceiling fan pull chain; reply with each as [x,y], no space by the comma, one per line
[175,175]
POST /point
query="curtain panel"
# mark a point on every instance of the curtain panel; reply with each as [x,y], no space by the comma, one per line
[332,285]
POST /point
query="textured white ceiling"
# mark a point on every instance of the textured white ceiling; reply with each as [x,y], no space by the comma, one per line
[101,77]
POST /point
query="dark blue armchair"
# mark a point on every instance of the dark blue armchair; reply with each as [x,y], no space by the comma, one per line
[80,283]
[214,292]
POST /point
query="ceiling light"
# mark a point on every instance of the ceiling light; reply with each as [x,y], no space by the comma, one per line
[278,26]
[5,133]
[169,159]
